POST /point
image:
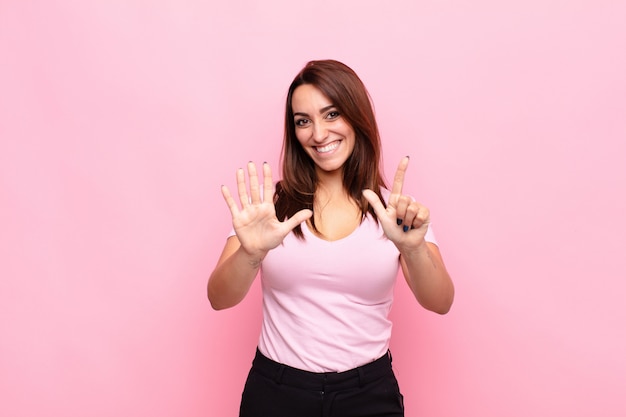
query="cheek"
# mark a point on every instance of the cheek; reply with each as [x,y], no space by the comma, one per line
[301,136]
[348,131]
[351,138]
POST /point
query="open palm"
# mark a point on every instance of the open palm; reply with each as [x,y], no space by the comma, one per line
[255,222]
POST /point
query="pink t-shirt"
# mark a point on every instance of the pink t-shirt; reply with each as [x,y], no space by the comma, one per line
[326,303]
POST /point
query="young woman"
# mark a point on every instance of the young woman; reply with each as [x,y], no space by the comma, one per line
[328,241]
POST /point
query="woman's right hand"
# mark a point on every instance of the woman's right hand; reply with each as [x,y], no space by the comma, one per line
[256,225]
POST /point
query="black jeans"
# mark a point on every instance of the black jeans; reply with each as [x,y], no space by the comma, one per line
[276,390]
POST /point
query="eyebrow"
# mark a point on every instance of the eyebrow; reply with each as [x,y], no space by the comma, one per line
[322,110]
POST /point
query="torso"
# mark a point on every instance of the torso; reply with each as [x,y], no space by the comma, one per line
[326,303]
[326,299]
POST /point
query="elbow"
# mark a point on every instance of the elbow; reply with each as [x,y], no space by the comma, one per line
[213,294]
[216,303]
[443,309]
[217,306]
[446,298]
[445,306]
[441,305]
[213,299]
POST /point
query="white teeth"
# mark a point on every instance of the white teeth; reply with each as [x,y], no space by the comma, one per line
[327,148]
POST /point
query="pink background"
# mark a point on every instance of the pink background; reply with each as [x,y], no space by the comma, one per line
[120,119]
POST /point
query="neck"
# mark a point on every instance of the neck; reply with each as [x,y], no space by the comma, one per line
[330,188]
[330,180]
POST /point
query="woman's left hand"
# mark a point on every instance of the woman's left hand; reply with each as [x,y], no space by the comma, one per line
[404,221]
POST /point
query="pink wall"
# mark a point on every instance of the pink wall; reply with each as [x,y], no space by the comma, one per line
[119,120]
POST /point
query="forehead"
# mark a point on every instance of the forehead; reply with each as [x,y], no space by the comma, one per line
[308,97]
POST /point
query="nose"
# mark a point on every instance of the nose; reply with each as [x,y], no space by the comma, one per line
[320,133]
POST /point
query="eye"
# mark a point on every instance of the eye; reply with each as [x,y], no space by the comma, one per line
[301,122]
[333,114]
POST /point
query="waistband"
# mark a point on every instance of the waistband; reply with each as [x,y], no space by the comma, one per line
[324,381]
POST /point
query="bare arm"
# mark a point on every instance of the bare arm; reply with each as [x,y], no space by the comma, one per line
[426,274]
[233,275]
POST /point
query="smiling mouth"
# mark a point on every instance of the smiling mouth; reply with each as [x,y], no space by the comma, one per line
[328,148]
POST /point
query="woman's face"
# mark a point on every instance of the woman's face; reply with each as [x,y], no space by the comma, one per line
[321,130]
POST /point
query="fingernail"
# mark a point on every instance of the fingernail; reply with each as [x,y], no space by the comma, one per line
[264,163]
[405,228]
[408,156]
[399,221]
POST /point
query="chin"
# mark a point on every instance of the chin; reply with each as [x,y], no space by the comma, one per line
[330,168]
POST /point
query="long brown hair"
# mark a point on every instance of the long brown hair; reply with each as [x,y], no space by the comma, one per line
[347,92]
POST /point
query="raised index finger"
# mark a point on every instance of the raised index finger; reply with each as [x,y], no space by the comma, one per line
[398,179]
